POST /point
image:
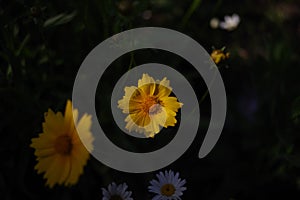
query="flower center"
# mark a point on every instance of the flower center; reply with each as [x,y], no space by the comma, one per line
[148,103]
[116,197]
[155,109]
[63,144]
[167,190]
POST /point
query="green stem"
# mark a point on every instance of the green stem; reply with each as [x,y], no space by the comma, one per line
[209,86]
[132,61]
[207,91]
[217,6]
[189,13]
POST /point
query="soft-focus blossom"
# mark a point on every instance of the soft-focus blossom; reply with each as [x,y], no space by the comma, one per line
[116,192]
[168,186]
[149,106]
[230,22]
[59,150]
[214,23]
[147,14]
[219,55]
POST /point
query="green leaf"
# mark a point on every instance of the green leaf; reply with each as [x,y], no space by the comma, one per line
[9,71]
[22,45]
[194,6]
[60,19]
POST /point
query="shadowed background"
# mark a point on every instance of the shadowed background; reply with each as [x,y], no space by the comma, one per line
[257,157]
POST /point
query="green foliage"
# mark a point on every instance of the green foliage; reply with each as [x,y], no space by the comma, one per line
[60,19]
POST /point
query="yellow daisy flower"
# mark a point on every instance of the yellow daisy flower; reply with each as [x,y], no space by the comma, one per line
[149,106]
[219,55]
[59,150]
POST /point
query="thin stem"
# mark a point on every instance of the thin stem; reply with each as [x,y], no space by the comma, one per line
[189,13]
[132,61]
[207,91]
[217,6]
[209,86]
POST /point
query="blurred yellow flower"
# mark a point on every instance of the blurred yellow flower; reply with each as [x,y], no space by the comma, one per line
[149,106]
[59,150]
[219,55]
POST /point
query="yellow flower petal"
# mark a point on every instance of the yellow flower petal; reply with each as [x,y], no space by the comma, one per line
[124,103]
[44,163]
[46,141]
[149,106]
[146,79]
[71,116]
[54,172]
[59,150]
[45,152]
[53,123]
[65,170]
[171,103]
[76,170]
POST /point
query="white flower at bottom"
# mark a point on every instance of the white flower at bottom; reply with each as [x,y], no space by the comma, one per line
[116,192]
[230,22]
[168,187]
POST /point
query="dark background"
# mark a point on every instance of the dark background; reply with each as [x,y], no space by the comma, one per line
[43,44]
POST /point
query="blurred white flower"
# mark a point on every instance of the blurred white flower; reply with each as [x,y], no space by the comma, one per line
[168,186]
[230,22]
[214,23]
[147,14]
[118,192]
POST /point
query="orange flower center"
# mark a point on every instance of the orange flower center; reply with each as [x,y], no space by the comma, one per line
[147,103]
[167,190]
[155,109]
[63,144]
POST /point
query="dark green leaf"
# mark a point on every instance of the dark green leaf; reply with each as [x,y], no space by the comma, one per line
[60,19]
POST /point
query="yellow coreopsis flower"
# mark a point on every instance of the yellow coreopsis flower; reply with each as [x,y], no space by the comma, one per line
[59,150]
[149,106]
[219,55]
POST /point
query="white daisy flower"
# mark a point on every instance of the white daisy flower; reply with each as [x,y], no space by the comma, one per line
[168,187]
[116,192]
[230,22]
